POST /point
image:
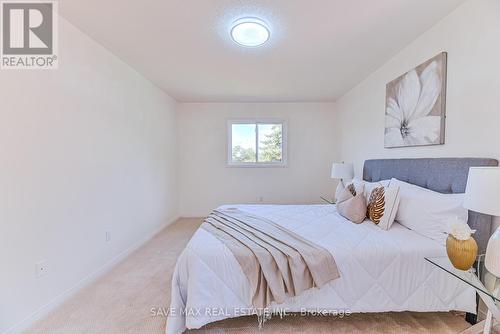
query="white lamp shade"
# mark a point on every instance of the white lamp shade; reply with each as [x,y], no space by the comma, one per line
[482,193]
[342,171]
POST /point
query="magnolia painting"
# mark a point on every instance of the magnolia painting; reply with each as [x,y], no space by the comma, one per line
[415,105]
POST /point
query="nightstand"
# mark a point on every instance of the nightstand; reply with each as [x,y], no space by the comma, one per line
[479,278]
[327,200]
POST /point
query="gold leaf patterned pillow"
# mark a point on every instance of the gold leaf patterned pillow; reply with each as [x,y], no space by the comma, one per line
[376,205]
[382,206]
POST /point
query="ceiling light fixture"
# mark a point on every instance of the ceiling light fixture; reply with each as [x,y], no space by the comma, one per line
[250,32]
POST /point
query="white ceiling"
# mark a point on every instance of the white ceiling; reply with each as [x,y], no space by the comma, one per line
[318,50]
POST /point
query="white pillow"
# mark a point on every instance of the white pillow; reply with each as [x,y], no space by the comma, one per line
[427,212]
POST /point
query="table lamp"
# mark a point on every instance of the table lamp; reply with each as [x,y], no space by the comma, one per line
[482,195]
[342,171]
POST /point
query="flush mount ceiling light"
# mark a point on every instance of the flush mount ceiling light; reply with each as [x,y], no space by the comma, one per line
[250,32]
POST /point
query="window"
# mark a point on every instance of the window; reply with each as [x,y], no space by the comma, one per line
[258,143]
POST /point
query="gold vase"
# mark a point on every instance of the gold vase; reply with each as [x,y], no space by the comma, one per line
[462,253]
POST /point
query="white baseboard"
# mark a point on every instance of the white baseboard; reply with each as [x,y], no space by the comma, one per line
[58,300]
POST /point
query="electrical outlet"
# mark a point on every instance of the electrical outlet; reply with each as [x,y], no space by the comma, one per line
[41,268]
[108,236]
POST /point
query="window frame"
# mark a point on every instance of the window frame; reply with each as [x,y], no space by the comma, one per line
[257,121]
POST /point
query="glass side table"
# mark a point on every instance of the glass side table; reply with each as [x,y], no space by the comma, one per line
[486,285]
[327,200]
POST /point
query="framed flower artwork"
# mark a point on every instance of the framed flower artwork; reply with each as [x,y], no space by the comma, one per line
[415,109]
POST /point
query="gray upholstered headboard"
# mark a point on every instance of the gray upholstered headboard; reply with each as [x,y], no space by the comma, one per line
[444,175]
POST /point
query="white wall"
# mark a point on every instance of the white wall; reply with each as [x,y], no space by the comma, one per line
[470,35]
[88,148]
[207,182]
[92,147]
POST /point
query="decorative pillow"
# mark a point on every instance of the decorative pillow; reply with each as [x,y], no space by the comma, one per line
[382,205]
[376,205]
[352,207]
[352,189]
[339,192]
[369,186]
[427,212]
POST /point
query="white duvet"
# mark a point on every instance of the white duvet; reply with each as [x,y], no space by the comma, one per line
[380,271]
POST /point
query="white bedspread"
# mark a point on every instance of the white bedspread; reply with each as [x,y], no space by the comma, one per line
[379,271]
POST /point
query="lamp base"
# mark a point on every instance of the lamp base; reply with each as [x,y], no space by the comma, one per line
[492,258]
[340,186]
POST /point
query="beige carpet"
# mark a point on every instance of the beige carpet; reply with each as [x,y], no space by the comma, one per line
[121,302]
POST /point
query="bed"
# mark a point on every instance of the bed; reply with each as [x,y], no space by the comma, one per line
[380,271]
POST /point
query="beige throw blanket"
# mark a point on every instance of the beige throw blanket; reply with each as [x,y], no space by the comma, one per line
[277,262]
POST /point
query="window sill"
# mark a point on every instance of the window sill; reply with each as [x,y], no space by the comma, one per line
[261,165]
